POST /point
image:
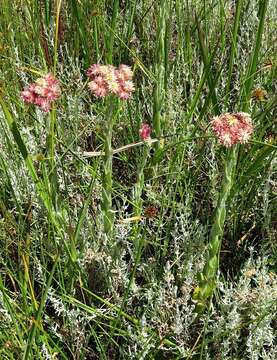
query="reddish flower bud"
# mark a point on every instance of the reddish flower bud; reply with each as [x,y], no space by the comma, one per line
[145,131]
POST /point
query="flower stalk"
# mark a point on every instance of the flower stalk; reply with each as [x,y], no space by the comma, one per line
[207,279]
[144,133]
[107,169]
[53,179]
[161,74]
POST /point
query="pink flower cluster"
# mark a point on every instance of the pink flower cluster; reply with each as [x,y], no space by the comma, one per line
[107,79]
[145,131]
[232,128]
[42,92]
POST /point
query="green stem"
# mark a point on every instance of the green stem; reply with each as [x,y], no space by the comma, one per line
[132,9]
[110,36]
[252,67]
[234,36]
[158,96]
[36,321]
[107,173]
[52,163]
[204,291]
[56,37]
[140,180]
[51,134]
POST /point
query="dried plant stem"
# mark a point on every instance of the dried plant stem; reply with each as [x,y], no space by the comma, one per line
[107,171]
[89,154]
[119,150]
[207,278]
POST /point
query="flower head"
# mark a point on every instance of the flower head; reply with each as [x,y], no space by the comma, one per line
[125,72]
[42,92]
[145,131]
[94,70]
[98,87]
[232,128]
[106,80]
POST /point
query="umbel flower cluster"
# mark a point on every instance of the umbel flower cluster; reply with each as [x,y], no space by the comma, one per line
[43,92]
[232,128]
[107,79]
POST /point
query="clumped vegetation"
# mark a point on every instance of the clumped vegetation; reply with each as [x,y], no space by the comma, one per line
[128,229]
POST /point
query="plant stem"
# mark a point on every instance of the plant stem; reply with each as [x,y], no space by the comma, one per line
[140,180]
[252,67]
[159,90]
[56,36]
[110,36]
[204,291]
[107,173]
[36,321]
[234,36]
[51,152]
[52,118]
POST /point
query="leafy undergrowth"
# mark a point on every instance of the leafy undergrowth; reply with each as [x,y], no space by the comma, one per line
[69,291]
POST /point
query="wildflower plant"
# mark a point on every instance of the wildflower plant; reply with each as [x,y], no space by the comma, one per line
[230,129]
[43,93]
[112,83]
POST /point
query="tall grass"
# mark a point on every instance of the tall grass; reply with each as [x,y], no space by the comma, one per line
[169,206]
